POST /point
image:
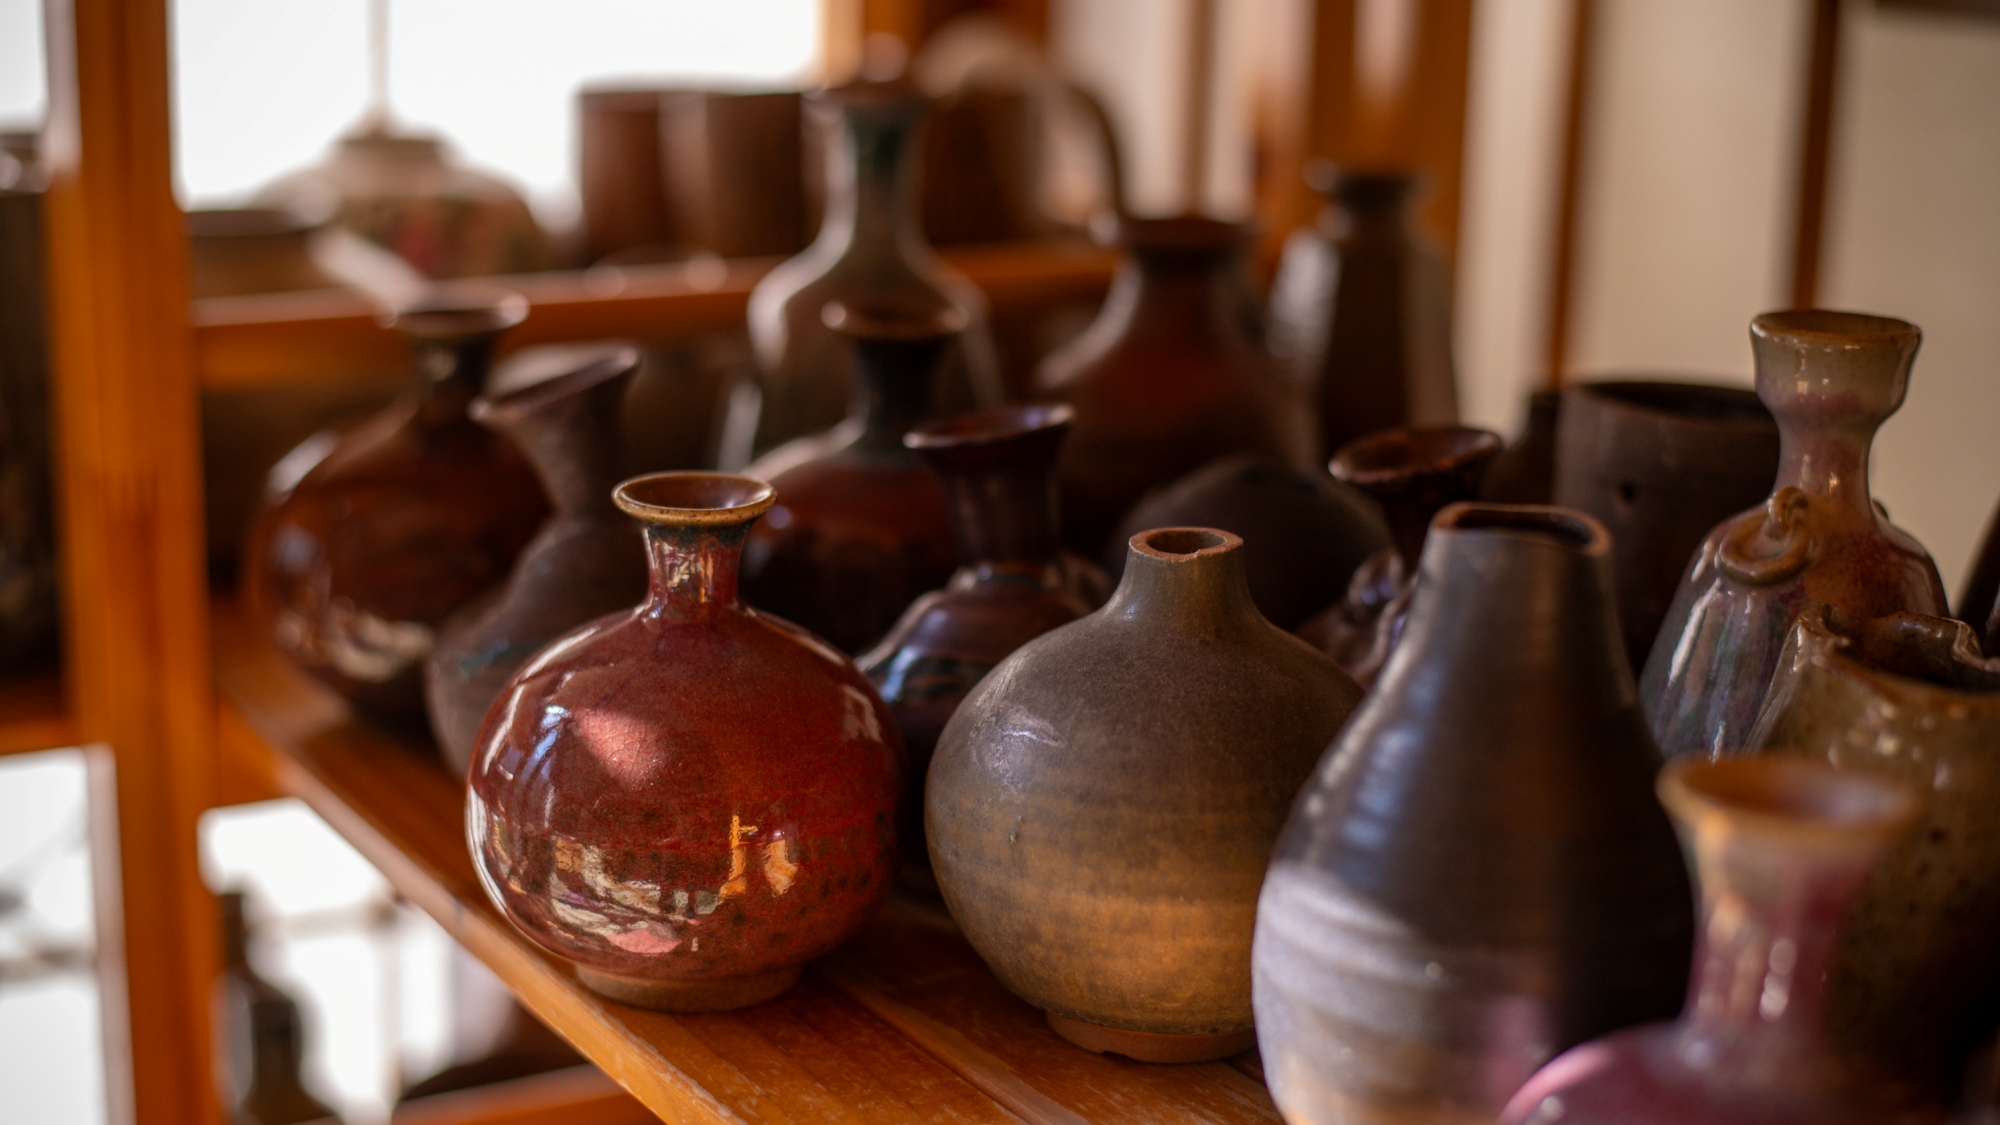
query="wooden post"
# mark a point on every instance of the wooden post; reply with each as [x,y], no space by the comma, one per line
[128,456]
[1569,192]
[1815,153]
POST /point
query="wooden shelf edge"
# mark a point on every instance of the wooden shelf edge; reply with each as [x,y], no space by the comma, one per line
[35,715]
[578,1095]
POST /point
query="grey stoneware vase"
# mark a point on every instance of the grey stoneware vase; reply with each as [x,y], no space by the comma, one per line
[1830,379]
[1102,806]
[1478,876]
[586,561]
[1914,984]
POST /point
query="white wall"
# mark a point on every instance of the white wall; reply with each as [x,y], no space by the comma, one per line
[1133,55]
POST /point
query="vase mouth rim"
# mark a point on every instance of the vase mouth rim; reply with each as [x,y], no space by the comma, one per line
[896,95]
[1684,399]
[1186,235]
[1787,796]
[889,320]
[457,313]
[1183,544]
[1405,452]
[1832,324]
[694,499]
[991,427]
[572,380]
[1565,527]
[1935,656]
[226,225]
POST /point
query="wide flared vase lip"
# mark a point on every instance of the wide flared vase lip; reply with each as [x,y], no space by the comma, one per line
[1406,453]
[516,404]
[1670,396]
[1832,325]
[1790,797]
[694,499]
[455,313]
[1175,236]
[1564,527]
[1181,545]
[886,320]
[991,427]
[1935,658]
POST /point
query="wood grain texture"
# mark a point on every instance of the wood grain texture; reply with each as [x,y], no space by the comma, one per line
[905,1023]
[280,338]
[579,1095]
[34,715]
[129,498]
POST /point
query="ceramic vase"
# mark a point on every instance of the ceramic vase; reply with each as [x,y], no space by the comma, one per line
[870,249]
[690,800]
[1413,474]
[261,1034]
[1659,464]
[1979,600]
[1304,534]
[862,527]
[1168,378]
[586,561]
[1361,311]
[1830,379]
[29,570]
[1102,806]
[1013,585]
[1913,982]
[735,179]
[618,172]
[1525,471]
[1477,877]
[1778,848]
[371,538]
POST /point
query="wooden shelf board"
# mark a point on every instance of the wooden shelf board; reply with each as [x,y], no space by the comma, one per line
[278,338]
[904,1023]
[34,715]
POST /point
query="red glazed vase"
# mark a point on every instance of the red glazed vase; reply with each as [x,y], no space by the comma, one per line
[861,528]
[371,538]
[690,800]
[1168,377]
[1779,848]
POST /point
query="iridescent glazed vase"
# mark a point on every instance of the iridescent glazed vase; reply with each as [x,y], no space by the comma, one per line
[1830,379]
[690,800]
[1779,848]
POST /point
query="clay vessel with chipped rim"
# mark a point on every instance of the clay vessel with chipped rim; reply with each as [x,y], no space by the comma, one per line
[1102,805]
[690,800]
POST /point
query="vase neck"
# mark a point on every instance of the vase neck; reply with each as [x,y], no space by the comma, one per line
[568,428]
[896,387]
[1188,579]
[1175,297]
[1827,461]
[453,372]
[1003,502]
[871,184]
[693,571]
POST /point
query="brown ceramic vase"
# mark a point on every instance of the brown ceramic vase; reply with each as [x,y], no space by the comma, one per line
[1361,311]
[370,539]
[1979,600]
[1015,583]
[690,800]
[1167,378]
[1830,379]
[1525,471]
[1659,464]
[1413,474]
[1304,534]
[862,527]
[1478,876]
[588,559]
[1914,983]
[1102,805]
[1778,849]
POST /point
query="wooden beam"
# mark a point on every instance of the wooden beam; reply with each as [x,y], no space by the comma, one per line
[1815,152]
[1197,110]
[1434,114]
[1569,189]
[129,497]
[1310,110]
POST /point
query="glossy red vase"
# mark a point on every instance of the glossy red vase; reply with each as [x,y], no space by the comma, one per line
[370,538]
[688,800]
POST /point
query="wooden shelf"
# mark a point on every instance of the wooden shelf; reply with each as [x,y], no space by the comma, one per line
[34,715]
[281,338]
[905,1023]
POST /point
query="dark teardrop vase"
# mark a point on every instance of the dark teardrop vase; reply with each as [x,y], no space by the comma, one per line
[588,559]
[371,538]
[998,468]
[690,800]
[862,527]
[1413,474]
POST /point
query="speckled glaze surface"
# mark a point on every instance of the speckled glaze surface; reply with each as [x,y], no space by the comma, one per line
[1830,379]
[1304,534]
[1778,848]
[1167,378]
[862,527]
[586,561]
[1660,464]
[1361,310]
[371,538]
[998,468]
[1102,806]
[1413,474]
[1478,876]
[1914,983]
[690,800]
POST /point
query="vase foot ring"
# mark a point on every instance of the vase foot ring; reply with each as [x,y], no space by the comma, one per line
[689,995]
[1152,1047]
